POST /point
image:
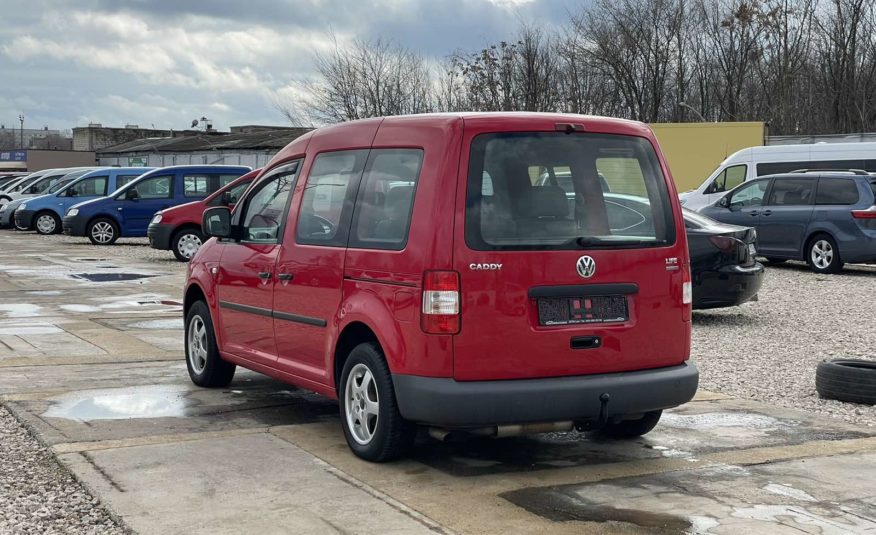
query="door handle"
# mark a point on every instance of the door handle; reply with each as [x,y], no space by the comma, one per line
[767,212]
[285,276]
[264,274]
[752,214]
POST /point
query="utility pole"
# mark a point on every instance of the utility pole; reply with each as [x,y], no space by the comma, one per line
[21,130]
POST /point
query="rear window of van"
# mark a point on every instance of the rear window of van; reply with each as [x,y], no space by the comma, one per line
[535,191]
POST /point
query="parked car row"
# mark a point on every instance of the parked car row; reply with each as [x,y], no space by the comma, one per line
[104,204]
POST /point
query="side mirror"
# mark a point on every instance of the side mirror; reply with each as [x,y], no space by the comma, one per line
[216,222]
[226,199]
[132,195]
[33,189]
[70,192]
[724,202]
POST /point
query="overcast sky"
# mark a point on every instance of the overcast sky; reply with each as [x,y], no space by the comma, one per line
[165,62]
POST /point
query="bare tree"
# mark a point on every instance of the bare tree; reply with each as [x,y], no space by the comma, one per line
[365,79]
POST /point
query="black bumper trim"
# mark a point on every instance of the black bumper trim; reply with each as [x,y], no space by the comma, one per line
[24,218]
[74,226]
[258,311]
[460,404]
[159,235]
[583,290]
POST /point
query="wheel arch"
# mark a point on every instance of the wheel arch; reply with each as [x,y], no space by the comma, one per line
[353,334]
[194,293]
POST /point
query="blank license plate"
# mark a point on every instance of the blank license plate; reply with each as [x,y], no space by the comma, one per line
[575,310]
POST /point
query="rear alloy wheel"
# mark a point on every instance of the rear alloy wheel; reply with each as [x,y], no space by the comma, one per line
[103,232]
[823,255]
[631,428]
[185,244]
[373,426]
[47,223]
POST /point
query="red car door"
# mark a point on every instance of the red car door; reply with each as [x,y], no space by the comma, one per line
[311,265]
[245,282]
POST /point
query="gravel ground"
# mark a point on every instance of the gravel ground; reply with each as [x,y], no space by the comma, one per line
[136,249]
[37,495]
[768,350]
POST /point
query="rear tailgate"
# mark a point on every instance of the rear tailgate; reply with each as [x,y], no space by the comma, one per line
[537,304]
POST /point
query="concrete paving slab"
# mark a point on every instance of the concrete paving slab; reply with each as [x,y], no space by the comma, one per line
[170,407]
[826,495]
[256,484]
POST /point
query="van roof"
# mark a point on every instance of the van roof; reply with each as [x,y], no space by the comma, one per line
[802,149]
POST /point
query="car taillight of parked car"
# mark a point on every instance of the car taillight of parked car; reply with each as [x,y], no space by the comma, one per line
[441,302]
[866,218]
[686,292]
[724,243]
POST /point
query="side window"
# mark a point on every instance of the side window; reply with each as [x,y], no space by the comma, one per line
[326,206]
[382,215]
[232,195]
[121,180]
[837,191]
[728,179]
[43,185]
[196,185]
[90,186]
[158,187]
[265,210]
[791,192]
[749,195]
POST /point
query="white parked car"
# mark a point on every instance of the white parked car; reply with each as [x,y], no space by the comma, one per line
[753,162]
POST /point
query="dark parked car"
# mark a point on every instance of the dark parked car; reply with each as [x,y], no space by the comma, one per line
[722,262]
[722,257]
[826,218]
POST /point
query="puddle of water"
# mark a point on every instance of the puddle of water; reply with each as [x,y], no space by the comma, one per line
[171,323]
[45,292]
[111,277]
[20,310]
[712,420]
[780,514]
[19,329]
[79,308]
[150,401]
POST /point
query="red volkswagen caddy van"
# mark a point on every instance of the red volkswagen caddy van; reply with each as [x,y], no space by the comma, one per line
[434,270]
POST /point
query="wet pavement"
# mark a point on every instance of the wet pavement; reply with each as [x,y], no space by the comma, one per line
[94,365]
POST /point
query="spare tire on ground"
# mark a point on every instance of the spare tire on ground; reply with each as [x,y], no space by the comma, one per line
[850,380]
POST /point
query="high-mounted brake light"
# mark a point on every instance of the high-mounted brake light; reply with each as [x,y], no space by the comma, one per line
[441,302]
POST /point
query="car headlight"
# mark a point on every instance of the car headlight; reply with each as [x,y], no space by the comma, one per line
[156,219]
[22,206]
[72,212]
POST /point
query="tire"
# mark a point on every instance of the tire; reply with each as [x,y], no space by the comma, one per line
[385,435]
[185,243]
[775,261]
[206,367]
[103,231]
[849,380]
[16,226]
[46,223]
[822,254]
[631,428]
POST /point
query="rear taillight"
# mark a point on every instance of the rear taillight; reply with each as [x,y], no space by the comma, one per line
[686,292]
[441,302]
[869,213]
[724,243]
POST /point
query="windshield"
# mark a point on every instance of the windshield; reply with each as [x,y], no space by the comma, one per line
[535,191]
[59,184]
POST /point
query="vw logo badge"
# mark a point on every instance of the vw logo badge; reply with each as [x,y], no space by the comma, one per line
[586,266]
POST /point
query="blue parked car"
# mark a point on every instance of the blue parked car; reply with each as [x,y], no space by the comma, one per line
[44,213]
[127,212]
[826,218]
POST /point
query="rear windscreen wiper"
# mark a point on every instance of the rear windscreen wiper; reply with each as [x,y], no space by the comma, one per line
[591,241]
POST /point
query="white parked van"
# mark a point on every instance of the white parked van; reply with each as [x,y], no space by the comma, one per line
[759,161]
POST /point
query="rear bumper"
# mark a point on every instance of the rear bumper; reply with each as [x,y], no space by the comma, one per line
[858,251]
[460,404]
[159,235]
[74,226]
[24,218]
[728,286]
